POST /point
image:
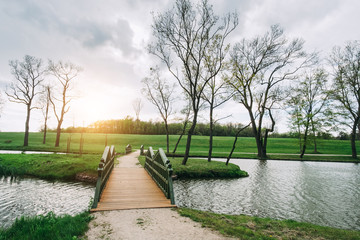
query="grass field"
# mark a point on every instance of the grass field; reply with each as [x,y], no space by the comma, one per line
[94,143]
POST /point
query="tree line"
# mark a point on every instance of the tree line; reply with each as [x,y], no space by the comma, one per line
[130,125]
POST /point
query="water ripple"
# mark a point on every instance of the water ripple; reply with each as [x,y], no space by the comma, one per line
[31,197]
[321,193]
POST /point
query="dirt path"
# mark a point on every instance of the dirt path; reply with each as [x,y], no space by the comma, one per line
[151,224]
[156,224]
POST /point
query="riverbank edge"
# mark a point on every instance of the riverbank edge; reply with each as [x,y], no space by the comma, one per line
[202,169]
[251,227]
[279,157]
[51,167]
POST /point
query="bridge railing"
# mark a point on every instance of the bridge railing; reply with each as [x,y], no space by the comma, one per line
[128,149]
[106,165]
[160,169]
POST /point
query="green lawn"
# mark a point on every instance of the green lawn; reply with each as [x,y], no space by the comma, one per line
[50,166]
[201,168]
[95,142]
[247,227]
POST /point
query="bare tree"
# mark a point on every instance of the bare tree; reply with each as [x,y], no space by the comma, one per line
[346,86]
[241,128]
[65,73]
[28,76]
[215,93]
[160,94]
[45,104]
[183,36]
[259,66]
[308,101]
[137,106]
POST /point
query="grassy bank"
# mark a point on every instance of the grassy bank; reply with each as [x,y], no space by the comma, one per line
[47,227]
[246,227]
[246,147]
[50,166]
[201,168]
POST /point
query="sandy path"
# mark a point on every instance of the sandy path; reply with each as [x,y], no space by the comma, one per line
[158,223]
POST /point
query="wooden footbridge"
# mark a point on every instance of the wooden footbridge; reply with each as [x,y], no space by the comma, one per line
[129,186]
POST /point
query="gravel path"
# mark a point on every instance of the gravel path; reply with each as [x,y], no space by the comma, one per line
[151,224]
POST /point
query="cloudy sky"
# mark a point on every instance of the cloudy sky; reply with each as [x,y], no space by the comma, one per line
[108,40]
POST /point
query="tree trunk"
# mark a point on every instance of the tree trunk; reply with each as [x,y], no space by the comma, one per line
[167,136]
[234,144]
[45,122]
[353,139]
[305,140]
[58,132]
[188,141]
[181,134]
[45,129]
[232,150]
[259,145]
[314,133]
[26,137]
[211,134]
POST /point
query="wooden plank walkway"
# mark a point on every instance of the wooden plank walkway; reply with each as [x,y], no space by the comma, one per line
[131,187]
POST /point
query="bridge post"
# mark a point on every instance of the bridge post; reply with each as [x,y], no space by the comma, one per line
[128,149]
[142,150]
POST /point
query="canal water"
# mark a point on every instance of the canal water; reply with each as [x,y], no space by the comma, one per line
[30,197]
[321,193]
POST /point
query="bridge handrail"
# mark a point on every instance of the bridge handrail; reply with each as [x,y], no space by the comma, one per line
[142,150]
[160,169]
[128,149]
[105,167]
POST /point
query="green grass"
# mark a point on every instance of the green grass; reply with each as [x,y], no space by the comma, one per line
[201,168]
[47,227]
[95,142]
[49,166]
[247,227]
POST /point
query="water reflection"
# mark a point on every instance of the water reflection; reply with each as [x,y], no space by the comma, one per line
[321,193]
[30,197]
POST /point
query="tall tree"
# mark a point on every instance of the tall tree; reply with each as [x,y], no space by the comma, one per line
[183,36]
[45,104]
[259,67]
[28,76]
[160,94]
[215,93]
[346,86]
[65,73]
[308,101]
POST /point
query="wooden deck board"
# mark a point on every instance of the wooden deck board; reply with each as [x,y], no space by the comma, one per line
[131,188]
